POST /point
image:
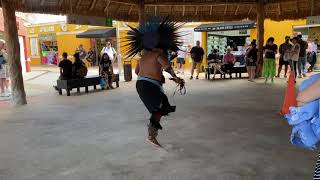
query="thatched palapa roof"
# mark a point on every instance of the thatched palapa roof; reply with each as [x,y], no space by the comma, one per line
[182,10]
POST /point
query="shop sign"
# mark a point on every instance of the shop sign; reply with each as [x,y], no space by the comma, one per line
[47,37]
[313,20]
[47,29]
[225,26]
[89,20]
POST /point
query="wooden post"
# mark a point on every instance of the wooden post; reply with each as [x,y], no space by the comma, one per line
[141,8]
[13,50]
[260,34]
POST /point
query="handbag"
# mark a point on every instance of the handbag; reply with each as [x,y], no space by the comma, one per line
[102,82]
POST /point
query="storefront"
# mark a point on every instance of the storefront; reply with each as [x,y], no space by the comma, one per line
[234,35]
[310,32]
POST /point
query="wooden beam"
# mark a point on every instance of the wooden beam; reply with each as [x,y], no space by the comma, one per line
[211,10]
[279,9]
[312,7]
[78,4]
[192,3]
[183,10]
[42,3]
[250,10]
[297,6]
[141,9]
[260,34]
[197,8]
[93,4]
[13,51]
[155,10]
[60,3]
[130,10]
[23,2]
[107,6]
[236,12]
[71,6]
[225,9]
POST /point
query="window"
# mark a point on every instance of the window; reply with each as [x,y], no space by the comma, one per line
[34,46]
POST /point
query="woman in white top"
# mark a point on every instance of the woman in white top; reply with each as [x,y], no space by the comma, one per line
[108,49]
[181,56]
[294,55]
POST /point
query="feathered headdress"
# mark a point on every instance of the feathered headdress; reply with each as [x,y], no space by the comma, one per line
[153,33]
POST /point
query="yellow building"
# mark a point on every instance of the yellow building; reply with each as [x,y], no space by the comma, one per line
[61,37]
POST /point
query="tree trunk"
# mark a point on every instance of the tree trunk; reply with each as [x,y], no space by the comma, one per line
[260,34]
[13,50]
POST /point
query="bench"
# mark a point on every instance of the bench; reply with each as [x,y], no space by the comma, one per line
[85,82]
[235,70]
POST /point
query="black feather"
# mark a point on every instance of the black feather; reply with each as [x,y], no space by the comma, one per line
[153,33]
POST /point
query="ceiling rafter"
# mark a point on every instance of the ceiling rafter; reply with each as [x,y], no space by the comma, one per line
[107,6]
[93,5]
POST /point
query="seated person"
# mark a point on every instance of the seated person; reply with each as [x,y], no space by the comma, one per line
[65,67]
[213,57]
[229,60]
[79,68]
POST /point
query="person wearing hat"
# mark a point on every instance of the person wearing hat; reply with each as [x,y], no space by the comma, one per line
[251,60]
[284,51]
[294,55]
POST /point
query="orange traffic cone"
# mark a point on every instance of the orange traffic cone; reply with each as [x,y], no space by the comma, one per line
[290,96]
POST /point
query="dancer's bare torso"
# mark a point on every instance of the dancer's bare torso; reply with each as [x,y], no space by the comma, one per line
[151,64]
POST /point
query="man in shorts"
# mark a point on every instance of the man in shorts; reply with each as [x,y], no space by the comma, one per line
[284,51]
[181,56]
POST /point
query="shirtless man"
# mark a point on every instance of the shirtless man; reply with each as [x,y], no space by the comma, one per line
[149,87]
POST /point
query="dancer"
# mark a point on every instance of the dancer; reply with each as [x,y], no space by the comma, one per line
[152,40]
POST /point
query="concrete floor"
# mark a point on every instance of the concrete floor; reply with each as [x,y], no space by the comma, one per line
[222,130]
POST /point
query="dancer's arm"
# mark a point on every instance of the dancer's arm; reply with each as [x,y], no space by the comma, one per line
[167,67]
[311,93]
[137,70]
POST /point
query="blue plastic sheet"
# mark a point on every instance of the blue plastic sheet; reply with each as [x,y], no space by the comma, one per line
[305,120]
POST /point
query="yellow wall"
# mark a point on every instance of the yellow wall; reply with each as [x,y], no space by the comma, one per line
[66,39]
[68,43]
[278,30]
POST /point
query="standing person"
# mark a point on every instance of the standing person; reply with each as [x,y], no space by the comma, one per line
[3,72]
[153,44]
[181,59]
[65,67]
[105,72]
[251,60]
[229,60]
[302,56]
[82,52]
[91,56]
[111,53]
[294,55]
[284,51]
[312,50]
[269,62]
[197,53]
